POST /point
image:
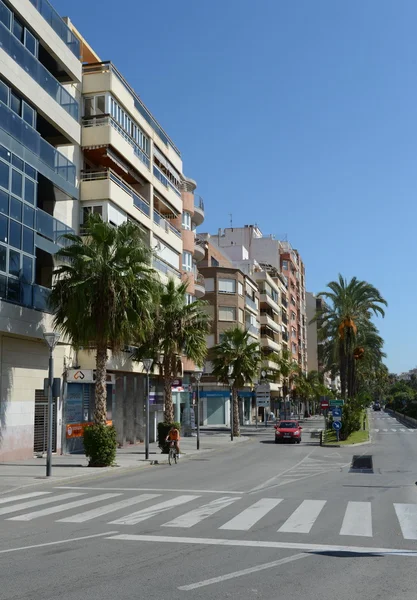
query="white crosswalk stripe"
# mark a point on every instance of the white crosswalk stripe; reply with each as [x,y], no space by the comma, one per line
[357,519]
[251,515]
[407,518]
[394,430]
[32,503]
[195,516]
[152,511]
[22,497]
[109,508]
[304,517]
[61,508]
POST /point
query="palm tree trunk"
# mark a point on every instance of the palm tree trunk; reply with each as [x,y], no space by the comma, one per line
[236,424]
[100,404]
[169,407]
[343,369]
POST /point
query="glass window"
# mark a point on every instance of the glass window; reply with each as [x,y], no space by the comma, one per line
[186,220]
[4,202]
[31,43]
[3,258]
[16,209]
[28,240]
[214,262]
[4,224]
[17,183]
[18,29]
[5,15]
[3,286]
[29,191]
[17,162]
[209,284]
[285,265]
[15,103]
[28,114]
[227,313]
[27,269]
[4,92]
[241,316]
[15,238]
[100,105]
[89,107]
[30,171]
[187,261]
[14,263]
[5,154]
[240,288]
[227,286]
[28,216]
[4,175]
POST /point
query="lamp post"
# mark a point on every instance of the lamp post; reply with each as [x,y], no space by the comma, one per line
[51,338]
[197,376]
[231,382]
[147,363]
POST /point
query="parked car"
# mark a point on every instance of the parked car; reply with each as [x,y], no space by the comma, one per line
[377,406]
[288,431]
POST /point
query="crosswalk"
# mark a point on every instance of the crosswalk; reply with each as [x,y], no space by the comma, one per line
[394,430]
[276,515]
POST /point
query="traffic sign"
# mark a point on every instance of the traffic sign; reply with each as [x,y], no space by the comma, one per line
[336,411]
[263,395]
[324,404]
[337,402]
[337,425]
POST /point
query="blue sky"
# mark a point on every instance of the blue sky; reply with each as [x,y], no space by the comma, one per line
[298,116]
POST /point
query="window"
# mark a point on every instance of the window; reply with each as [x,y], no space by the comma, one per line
[285,265]
[15,234]
[240,288]
[27,269]
[4,202]
[209,284]
[293,332]
[28,240]
[16,209]
[4,224]
[187,261]
[4,92]
[214,262]
[31,43]
[210,340]
[226,286]
[241,316]
[17,182]
[4,175]
[3,258]
[15,103]
[18,29]
[94,105]
[227,313]
[186,220]
[292,316]
[14,263]
[29,114]
[5,15]
[29,191]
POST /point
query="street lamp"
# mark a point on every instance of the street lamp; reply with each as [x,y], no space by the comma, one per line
[197,376]
[147,363]
[231,382]
[51,338]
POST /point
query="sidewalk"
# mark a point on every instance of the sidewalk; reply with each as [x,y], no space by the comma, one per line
[69,467]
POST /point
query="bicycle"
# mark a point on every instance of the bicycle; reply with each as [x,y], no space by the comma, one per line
[172,454]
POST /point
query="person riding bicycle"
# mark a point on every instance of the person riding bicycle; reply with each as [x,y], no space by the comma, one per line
[174,436]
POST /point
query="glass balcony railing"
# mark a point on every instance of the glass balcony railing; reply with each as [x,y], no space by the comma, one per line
[199,203]
[31,139]
[164,180]
[52,229]
[251,303]
[37,71]
[164,223]
[162,266]
[25,294]
[58,25]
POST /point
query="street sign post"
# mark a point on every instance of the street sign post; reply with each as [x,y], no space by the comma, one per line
[263,398]
[337,426]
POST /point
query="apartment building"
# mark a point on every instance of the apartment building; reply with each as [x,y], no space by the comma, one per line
[40,91]
[75,138]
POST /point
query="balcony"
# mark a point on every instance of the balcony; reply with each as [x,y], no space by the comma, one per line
[58,25]
[251,304]
[52,229]
[29,295]
[198,216]
[266,298]
[165,224]
[26,135]
[106,184]
[199,286]
[107,124]
[269,321]
[199,250]
[267,342]
[31,65]
[165,268]
[252,330]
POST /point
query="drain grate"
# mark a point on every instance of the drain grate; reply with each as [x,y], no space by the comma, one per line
[362,464]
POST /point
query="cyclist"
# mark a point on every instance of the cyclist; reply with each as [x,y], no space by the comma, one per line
[174,436]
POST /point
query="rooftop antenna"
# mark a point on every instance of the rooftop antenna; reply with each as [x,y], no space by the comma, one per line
[231,220]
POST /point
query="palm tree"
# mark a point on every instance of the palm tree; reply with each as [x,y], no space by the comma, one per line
[287,369]
[102,293]
[179,329]
[244,357]
[352,305]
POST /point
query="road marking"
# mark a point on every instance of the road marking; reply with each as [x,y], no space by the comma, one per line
[403,430]
[22,497]
[407,518]
[393,430]
[376,430]
[60,508]
[77,539]
[193,517]
[385,430]
[251,515]
[104,510]
[357,519]
[302,547]
[266,483]
[152,511]
[304,517]
[32,503]
[136,489]
[275,563]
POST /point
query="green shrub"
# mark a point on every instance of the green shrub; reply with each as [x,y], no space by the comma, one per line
[163,430]
[351,419]
[100,445]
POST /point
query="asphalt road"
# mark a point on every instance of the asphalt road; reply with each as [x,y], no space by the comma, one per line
[259,521]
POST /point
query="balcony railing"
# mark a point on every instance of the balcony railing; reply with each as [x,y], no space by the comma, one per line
[25,294]
[37,71]
[100,121]
[164,180]
[108,67]
[199,203]
[252,329]
[251,303]
[58,25]
[164,223]
[164,267]
[52,229]
[199,280]
[31,139]
[138,201]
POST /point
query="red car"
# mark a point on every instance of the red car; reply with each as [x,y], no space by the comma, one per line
[288,431]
